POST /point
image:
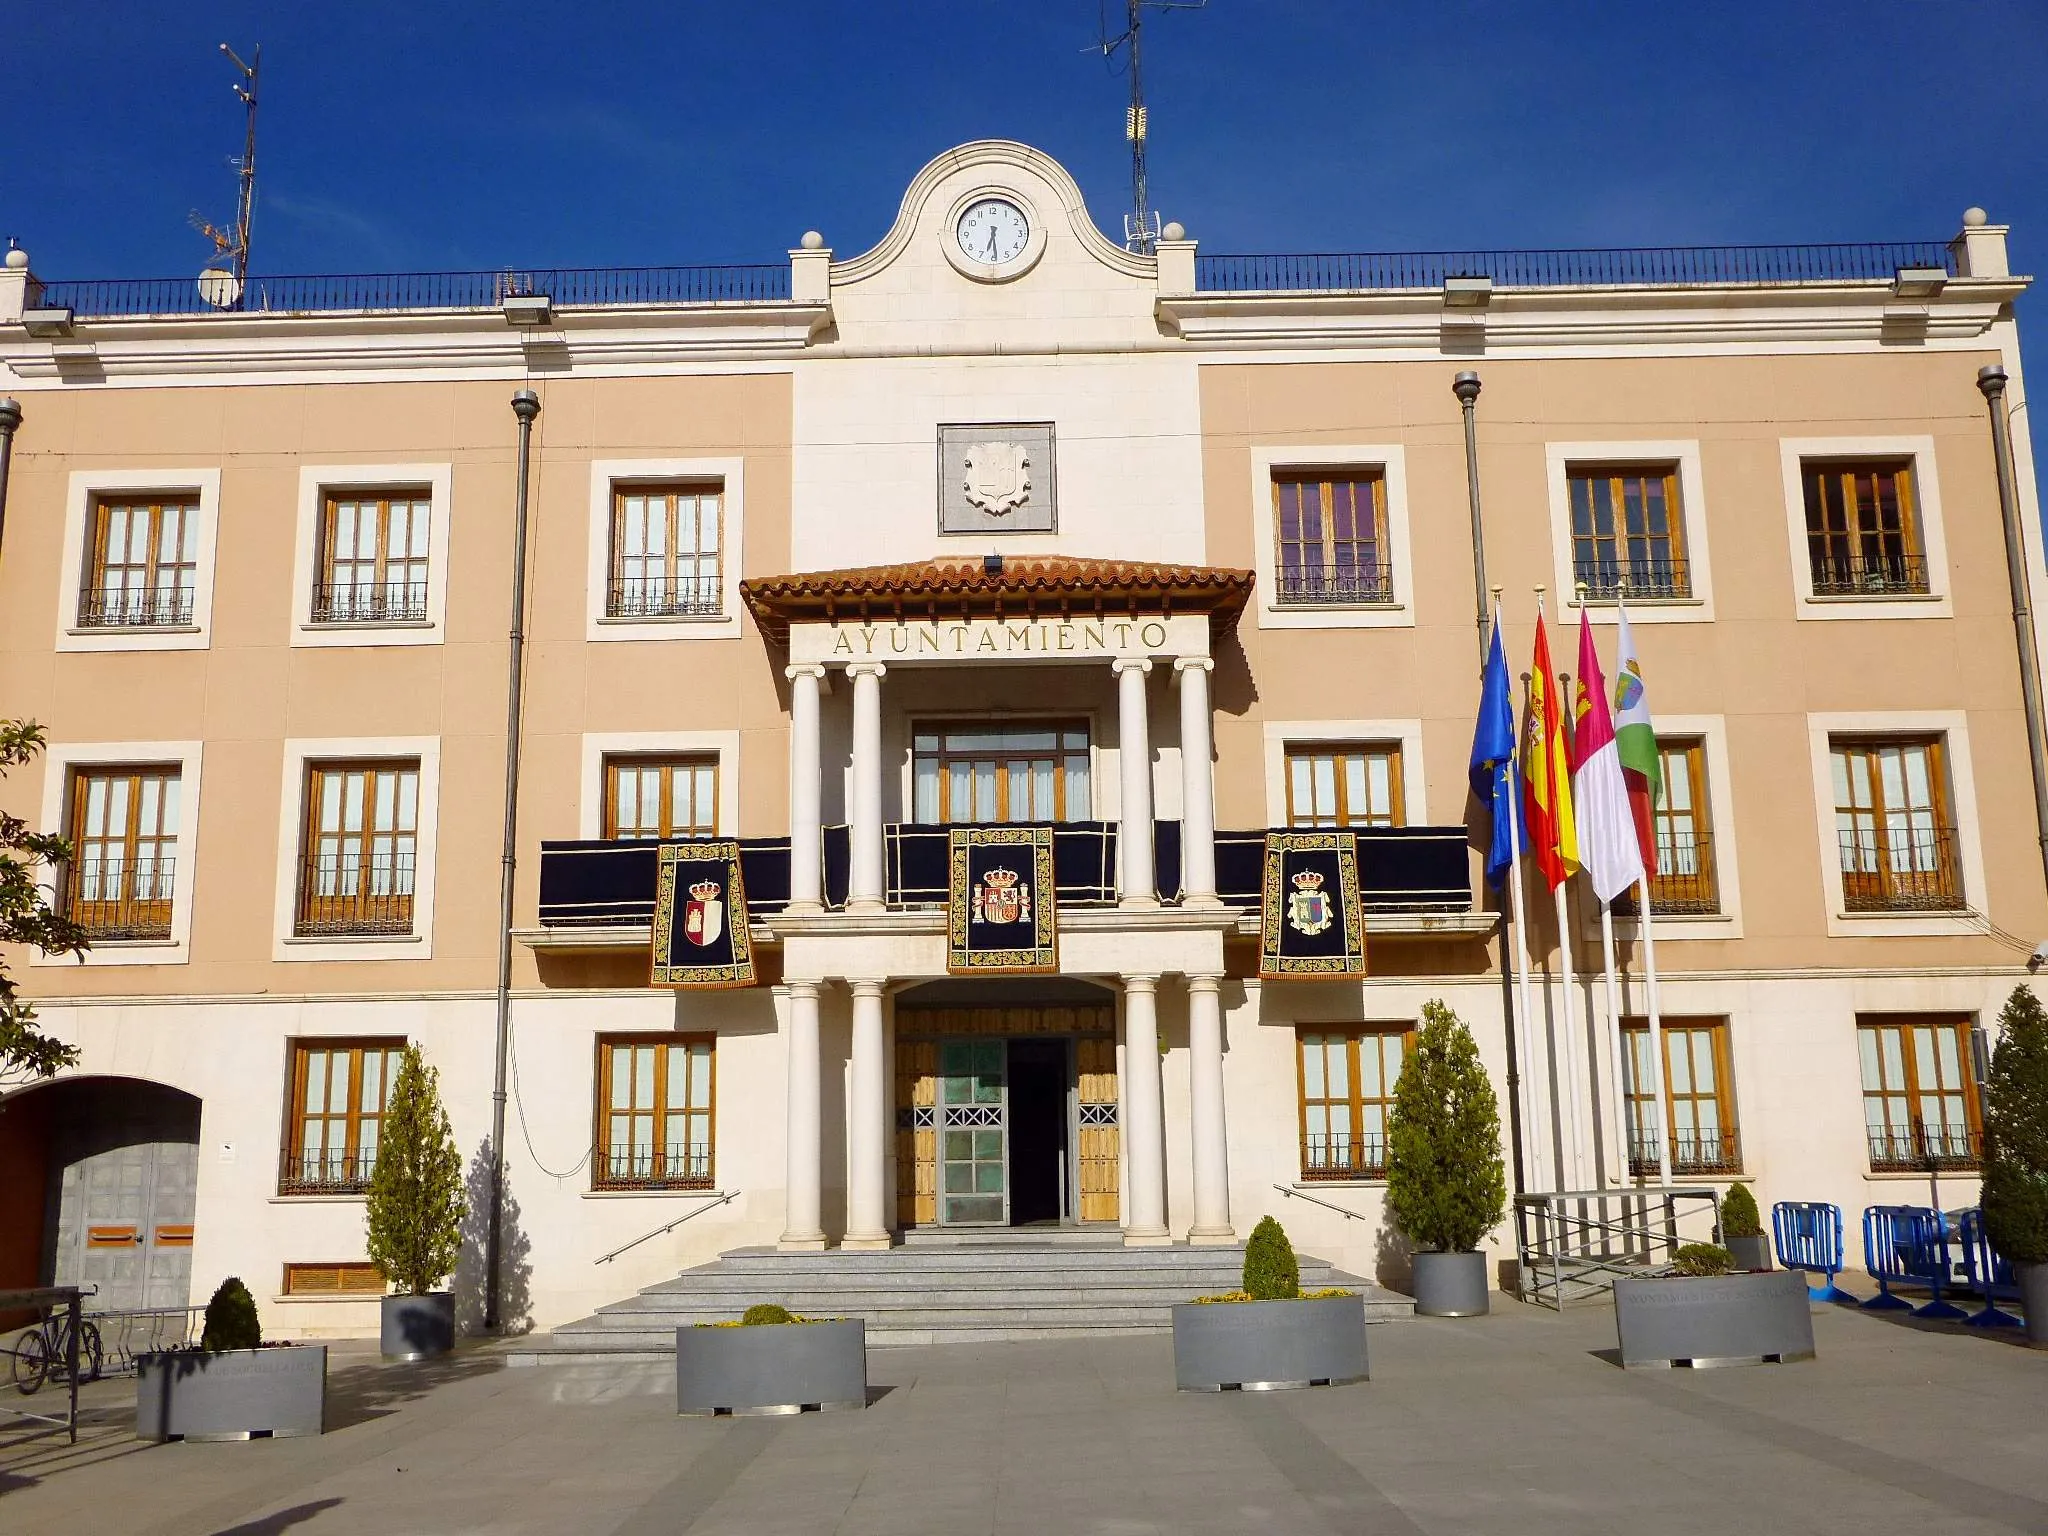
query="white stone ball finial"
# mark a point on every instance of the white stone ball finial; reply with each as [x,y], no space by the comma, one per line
[812,241]
[1173,231]
[1973,217]
[17,258]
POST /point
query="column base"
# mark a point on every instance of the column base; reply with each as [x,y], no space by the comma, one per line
[1212,1237]
[800,1244]
[861,906]
[881,1243]
[1139,904]
[1210,903]
[1158,1239]
[804,909]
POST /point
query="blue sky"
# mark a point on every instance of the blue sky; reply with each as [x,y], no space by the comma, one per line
[407,137]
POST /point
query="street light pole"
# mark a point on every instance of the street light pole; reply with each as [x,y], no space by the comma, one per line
[1991,381]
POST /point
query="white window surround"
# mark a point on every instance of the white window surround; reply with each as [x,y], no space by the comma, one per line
[291,819]
[1793,453]
[604,473]
[316,483]
[59,761]
[597,746]
[1953,726]
[1712,731]
[86,486]
[1406,734]
[1392,461]
[1684,454]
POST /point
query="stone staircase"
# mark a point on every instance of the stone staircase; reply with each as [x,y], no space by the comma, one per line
[940,1289]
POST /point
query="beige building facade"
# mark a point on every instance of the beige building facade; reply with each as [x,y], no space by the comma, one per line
[996,521]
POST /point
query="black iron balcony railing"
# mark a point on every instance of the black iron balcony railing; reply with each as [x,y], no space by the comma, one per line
[1344,1157]
[1924,1148]
[676,1166]
[1900,869]
[346,894]
[121,898]
[1869,575]
[1665,579]
[387,602]
[337,1172]
[657,597]
[1684,884]
[1350,584]
[1693,1153]
[158,608]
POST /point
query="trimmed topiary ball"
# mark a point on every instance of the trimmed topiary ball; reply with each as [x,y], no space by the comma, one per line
[1739,1215]
[764,1313]
[231,1321]
[1270,1270]
[1702,1259]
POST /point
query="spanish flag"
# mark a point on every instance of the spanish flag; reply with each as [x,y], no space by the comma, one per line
[1547,772]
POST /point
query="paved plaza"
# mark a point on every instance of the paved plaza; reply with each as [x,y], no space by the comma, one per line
[1518,1422]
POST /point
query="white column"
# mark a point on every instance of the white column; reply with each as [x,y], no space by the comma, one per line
[867,1215]
[1144,1135]
[806,814]
[864,886]
[1197,786]
[1134,760]
[803,1229]
[1205,1112]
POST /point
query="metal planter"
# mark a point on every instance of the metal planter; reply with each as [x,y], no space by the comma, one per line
[1751,1253]
[236,1394]
[1450,1285]
[1711,1320]
[773,1368]
[2033,1279]
[1259,1346]
[417,1327]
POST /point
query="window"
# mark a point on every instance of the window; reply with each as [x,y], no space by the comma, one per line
[1347,1091]
[1892,825]
[992,773]
[1332,538]
[1684,880]
[1863,528]
[1699,1097]
[1628,534]
[124,840]
[1919,1093]
[373,558]
[665,552]
[142,563]
[356,1278]
[654,1112]
[1346,786]
[362,829]
[337,1107]
[652,797]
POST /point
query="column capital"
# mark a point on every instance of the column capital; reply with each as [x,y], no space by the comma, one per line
[874,669]
[1193,664]
[867,986]
[1198,982]
[1123,664]
[799,988]
[1141,983]
[805,669]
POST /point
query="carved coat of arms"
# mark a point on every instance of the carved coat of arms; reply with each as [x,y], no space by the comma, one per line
[998,477]
[704,916]
[1308,910]
[1002,897]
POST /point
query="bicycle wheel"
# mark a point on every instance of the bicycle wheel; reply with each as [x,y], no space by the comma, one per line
[89,1358]
[31,1361]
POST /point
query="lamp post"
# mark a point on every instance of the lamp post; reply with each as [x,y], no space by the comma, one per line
[10,418]
[1466,387]
[1991,381]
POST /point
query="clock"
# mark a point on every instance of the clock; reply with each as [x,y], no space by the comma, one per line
[992,231]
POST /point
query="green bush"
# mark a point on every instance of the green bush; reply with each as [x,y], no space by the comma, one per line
[415,1203]
[1702,1259]
[2015,1192]
[1739,1215]
[1270,1270]
[1446,1186]
[231,1321]
[763,1313]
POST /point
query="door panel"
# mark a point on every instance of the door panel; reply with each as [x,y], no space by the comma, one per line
[917,1134]
[1095,1057]
[973,1149]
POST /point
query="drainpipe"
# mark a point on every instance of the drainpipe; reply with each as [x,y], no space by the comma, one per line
[1466,387]
[10,418]
[1991,380]
[526,406]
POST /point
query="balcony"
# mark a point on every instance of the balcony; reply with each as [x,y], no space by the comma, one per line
[324,1173]
[1694,1153]
[345,896]
[657,597]
[1640,581]
[1924,1148]
[1684,885]
[1343,1157]
[1900,870]
[1334,589]
[162,608]
[1869,575]
[679,1166]
[117,899]
[394,602]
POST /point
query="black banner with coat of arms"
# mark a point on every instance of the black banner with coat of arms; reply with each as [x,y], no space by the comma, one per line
[1001,902]
[700,917]
[1311,921]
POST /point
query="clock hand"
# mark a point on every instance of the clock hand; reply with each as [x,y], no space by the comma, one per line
[991,242]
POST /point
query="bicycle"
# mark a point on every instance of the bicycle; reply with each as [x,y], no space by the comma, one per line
[45,1350]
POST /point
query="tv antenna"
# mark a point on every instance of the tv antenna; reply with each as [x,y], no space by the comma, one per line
[226,277]
[1141,224]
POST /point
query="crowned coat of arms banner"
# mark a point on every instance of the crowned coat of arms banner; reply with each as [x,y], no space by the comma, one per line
[701,938]
[1311,920]
[1001,905]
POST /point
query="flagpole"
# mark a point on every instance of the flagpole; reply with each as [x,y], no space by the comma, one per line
[1567,975]
[1620,1099]
[1516,901]
[1646,922]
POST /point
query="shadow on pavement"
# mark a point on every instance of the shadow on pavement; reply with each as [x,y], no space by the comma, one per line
[358,1394]
[283,1520]
[1955,1328]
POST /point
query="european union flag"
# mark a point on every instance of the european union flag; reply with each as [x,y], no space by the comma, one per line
[1494,777]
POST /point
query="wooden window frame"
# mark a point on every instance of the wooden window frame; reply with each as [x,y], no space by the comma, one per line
[341,1270]
[1611,566]
[141,910]
[1932,880]
[625,595]
[1358,1166]
[660,1178]
[668,763]
[1717,1161]
[294,1178]
[1327,579]
[1850,552]
[363,909]
[168,590]
[1909,1148]
[1338,752]
[1697,894]
[373,601]
[1059,727]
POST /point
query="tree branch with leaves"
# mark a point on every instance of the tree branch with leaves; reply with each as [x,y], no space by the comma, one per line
[28,917]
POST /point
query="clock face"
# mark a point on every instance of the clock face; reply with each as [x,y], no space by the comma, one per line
[993,231]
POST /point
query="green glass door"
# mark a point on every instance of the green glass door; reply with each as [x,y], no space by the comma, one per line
[973,1146]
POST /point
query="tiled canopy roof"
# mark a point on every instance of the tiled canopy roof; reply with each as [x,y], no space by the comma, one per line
[1019,586]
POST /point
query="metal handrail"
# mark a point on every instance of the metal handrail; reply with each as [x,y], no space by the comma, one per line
[710,1204]
[1302,1194]
[1565,1233]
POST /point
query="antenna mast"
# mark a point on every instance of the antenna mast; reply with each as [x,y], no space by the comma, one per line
[234,243]
[1141,224]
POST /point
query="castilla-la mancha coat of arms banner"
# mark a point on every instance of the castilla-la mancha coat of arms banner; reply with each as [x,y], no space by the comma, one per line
[701,937]
[1311,919]
[1001,906]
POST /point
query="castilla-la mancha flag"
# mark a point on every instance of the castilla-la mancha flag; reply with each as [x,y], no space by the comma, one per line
[1547,772]
[1608,848]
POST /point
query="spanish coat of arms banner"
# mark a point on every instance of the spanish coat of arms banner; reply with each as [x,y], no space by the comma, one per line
[1001,904]
[700,917]
[1311,921]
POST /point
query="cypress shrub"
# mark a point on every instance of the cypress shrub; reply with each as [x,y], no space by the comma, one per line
[1446,1186]
[231,1321]
[763,1313]
[416,1203]
[1270,1270]
[2015,1193]
[1739,1215]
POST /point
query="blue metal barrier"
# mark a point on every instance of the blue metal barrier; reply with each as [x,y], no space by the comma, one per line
[1809,1237]
[1991,1275]
[1908,1245]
